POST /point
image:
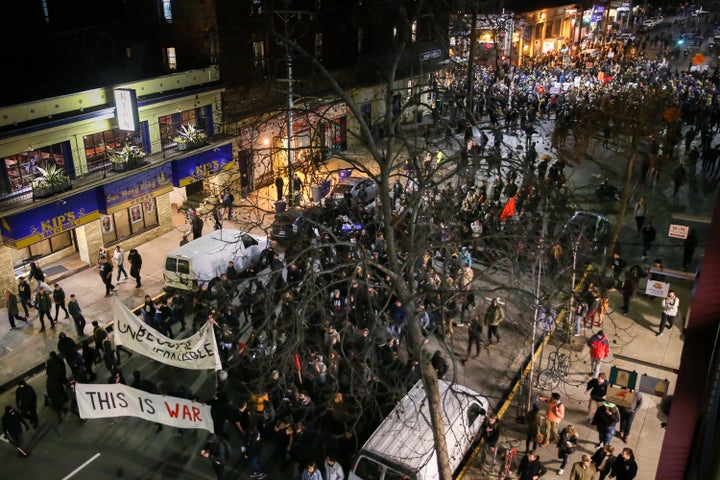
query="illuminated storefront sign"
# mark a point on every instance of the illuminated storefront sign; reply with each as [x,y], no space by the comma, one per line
[126,109]
[123,193]
[202,165]
[31,226]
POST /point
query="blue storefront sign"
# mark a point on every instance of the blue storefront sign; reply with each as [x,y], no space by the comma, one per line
[128,191]
[31,226]
[202,165]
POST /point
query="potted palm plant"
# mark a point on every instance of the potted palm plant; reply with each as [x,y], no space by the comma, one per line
[126,158]
[52,179]
[189,137]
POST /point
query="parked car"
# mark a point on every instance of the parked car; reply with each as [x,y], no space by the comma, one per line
[590,230]
[297,225]
[363,189]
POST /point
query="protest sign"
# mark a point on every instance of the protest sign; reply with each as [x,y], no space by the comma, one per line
[197,352]
[118,400]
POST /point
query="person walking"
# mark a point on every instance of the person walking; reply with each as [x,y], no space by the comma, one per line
[227,203]
[333,470]
[648,234]
[640,213]
[279,185]
[99,336]
[583,470]
[627,415]
[554,414]
[25,295]
[217,450]
[76,313]
[474,336]
[311,472]
[26,402]
[119,259]
[689,245]
[490,432]
[670,307]
[106,270]
[597,390]
[494,315]
[36,274]
[599,350]
[196,224]
[629,287]
[605,420]
[533,420]
[12,425]
[59,299]
[12,308]
[566,446]
[44,308]
[135,265]
[617,265]
[625,467]
[530,467]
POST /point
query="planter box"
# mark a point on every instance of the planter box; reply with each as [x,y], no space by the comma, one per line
[51,189]
[182,146]
[120,166]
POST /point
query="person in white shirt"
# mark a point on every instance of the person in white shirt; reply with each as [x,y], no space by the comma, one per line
[119,259]
[671,304]
[333,470]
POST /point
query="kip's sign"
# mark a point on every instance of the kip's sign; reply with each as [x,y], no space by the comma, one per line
[118,400]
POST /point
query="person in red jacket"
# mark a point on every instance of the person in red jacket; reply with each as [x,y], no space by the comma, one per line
[599,350]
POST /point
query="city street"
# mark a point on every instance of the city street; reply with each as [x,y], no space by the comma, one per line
[132,449]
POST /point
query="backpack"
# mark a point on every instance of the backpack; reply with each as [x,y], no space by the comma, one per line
[599,348]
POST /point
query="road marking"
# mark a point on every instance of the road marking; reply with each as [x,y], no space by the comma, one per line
[72,474]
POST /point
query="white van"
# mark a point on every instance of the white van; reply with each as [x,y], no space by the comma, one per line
[199,261]
[402,447]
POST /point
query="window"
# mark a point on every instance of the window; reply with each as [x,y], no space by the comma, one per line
[21,168]
[366,112]
[368,469]
[129,222]
[22,257]
[256,7]
[183,267]
[259,55]
[361,40]
[167,10]
[474,412]
[171,58]
[170,125]
[395,32]
[319,46]
[413,32]
[46,14]
[99,145]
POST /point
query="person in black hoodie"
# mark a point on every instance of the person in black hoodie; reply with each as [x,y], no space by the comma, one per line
[490,433]
[530,467]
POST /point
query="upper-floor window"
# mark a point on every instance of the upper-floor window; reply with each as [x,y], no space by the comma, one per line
[21,168]
[99,145]
[413,32]
[259,55]
[46,14]
[171,58]
[395,32]
[319,46]
[171,124]
[167,10]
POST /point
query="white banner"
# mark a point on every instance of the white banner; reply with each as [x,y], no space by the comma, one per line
[197,352]
[118,400]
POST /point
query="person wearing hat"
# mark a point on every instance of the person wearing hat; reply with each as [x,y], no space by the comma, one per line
[605,420]
[494,315]
[217,450]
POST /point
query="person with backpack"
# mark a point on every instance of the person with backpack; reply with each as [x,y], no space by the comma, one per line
[599,350]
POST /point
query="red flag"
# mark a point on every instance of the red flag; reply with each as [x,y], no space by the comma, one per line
[508,210]
[298,367]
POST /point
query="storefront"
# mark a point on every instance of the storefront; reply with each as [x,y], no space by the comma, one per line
[190,173]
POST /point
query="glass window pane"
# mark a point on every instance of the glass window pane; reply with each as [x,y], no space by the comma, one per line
[183,266]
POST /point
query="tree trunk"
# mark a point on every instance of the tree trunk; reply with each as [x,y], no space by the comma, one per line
[624,201]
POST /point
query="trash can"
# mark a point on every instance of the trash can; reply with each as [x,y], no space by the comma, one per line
[280,206]
[315,190]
